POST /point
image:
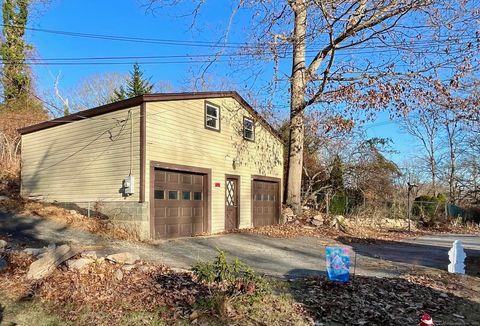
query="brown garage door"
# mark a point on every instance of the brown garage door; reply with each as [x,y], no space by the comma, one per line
[266,205]
[180,204]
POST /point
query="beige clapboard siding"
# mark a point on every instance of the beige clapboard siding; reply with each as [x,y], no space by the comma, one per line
[79,162]
[176,134]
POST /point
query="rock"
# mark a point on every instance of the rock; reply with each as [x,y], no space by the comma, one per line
[194,315]
[34,251]
[73,212]
[118,275]
[145,269]
[3,264]
[288,212]
[128,268]
[90,254]
[124,258]
[317,222]
[51,246]
[79,264]
[3,244]
[337,222]
[318,217]
[339,218]
[47,264]
[4,198]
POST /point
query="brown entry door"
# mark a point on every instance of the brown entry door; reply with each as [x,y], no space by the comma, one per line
[266,203]
[231,204]
[180,204]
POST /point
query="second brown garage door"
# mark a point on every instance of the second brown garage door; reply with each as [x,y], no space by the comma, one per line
[180,204]
[266,202]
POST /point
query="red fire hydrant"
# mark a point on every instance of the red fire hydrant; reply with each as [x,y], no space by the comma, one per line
[426,320]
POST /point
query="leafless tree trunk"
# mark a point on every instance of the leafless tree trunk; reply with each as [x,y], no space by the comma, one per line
[297,91]
[423,125]
[327,29]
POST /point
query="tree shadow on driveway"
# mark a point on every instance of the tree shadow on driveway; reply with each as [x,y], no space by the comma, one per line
[412,253]
[22,232]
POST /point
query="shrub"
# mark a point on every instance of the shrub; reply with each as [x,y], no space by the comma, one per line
[233,278]
[338,204]
[429,208]
[424,206]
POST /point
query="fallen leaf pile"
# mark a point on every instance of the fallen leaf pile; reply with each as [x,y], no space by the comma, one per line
[58,214]
[291,230]
[382,301]
[105,293]
[357,234]
[461,285]
[98,287]
[144,288]
[353,232]
[12,279]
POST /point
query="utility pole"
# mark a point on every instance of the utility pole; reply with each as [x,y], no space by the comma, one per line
[410,188]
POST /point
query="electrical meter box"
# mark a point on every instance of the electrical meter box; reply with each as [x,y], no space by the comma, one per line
[129,184]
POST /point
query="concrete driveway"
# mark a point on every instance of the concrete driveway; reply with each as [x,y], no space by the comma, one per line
[293,257]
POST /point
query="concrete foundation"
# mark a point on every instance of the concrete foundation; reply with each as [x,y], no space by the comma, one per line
[133,216]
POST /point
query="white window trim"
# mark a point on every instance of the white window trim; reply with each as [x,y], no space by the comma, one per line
[217,118]
[252,130]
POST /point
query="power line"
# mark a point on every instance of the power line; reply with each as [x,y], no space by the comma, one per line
[208,55]
[220,44]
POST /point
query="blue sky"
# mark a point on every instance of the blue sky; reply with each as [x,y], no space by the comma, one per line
[129,18]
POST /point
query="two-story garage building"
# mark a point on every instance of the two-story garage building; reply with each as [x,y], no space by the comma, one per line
[164,165]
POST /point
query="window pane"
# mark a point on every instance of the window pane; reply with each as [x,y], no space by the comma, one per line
[212,111]
[173,195]
[258,197]
[159,194]
[186,195]
[212,122]
[248,124]
[248,129]
[197,195]
[265,197]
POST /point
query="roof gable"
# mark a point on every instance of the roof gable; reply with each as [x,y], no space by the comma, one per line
[136,101]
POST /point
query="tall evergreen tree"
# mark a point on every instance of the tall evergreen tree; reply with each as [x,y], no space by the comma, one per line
[136,85]
[336,174]
[13,51]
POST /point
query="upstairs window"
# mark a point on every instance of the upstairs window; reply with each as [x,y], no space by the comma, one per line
[248,129]
[212,117]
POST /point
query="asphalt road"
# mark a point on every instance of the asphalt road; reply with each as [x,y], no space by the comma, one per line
[290,258]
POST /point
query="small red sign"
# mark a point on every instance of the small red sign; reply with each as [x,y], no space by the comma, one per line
[217,184]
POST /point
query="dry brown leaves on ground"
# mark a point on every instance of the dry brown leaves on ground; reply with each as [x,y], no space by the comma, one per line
[382,301]
[460,285]
[360,234]
[357,233]
[291,231]
[98,295]
[58,214]
[98,288]
[145,288]
[12,279]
